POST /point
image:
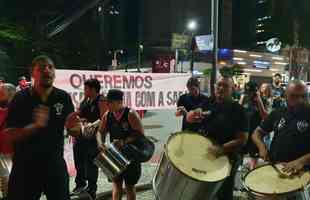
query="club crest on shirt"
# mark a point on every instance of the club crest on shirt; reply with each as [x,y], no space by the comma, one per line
[125,126]
[302,126]
[281,123]
[58,107]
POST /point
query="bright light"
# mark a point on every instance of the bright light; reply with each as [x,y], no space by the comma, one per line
[255,55]
[252,70]
[222,63]
[277,58]
[280,63]
[236,58]
[241,63]
[192,25]
[239,51]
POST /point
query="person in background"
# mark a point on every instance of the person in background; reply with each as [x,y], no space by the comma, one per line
[85,148]
[7,92]
[2,80]
[291,127]
[266,95]
[36,120]
[194,99]
[22,83]
[277,92]
[236,92]
[255,112]
[265,91]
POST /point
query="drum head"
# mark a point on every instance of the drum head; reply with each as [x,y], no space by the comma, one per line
[266,180]
[188,153]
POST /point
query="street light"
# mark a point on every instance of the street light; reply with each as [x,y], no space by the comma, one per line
[192,26]
[140,50]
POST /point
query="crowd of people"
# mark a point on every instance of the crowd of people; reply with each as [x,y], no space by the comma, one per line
[33,122]
[267,123]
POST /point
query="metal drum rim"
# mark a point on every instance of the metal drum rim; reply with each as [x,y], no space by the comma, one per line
[170,161]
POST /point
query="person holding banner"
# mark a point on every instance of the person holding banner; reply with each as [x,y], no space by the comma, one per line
[85,147]
[35,124]
[124,126]
[190,101]
[226,124]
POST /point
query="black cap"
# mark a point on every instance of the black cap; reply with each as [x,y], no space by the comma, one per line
[115,95]
[22,78]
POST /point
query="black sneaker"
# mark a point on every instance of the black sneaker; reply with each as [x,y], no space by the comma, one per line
[79,189]
[91,192]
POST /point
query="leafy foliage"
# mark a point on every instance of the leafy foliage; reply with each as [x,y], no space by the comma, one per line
[11,32]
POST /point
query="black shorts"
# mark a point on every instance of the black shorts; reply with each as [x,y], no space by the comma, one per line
[131,175]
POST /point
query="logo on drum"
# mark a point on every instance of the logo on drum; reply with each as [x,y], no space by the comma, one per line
[58,107]
[302,126]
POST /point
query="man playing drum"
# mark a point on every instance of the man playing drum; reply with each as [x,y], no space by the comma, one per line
[225,123]
[290,144]
[124,126]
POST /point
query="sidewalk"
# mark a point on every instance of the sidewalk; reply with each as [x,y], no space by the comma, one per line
[104,187]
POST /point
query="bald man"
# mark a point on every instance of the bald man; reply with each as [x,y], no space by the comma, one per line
[225,123]
[291,131]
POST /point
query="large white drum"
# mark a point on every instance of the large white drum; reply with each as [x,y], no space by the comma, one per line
[266,183]
[187,171]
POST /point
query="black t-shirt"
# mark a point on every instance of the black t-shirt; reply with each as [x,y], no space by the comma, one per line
[254,119]
[191,103]
[291,134]
[91,112]
[47,143]
[225,121]
[278,95]
[90,109]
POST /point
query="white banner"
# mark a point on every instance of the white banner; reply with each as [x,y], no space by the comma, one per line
[142,91]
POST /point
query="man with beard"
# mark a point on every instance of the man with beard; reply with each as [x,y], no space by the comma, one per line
[291,128]
[277,92]
[36,120]
[226,125]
